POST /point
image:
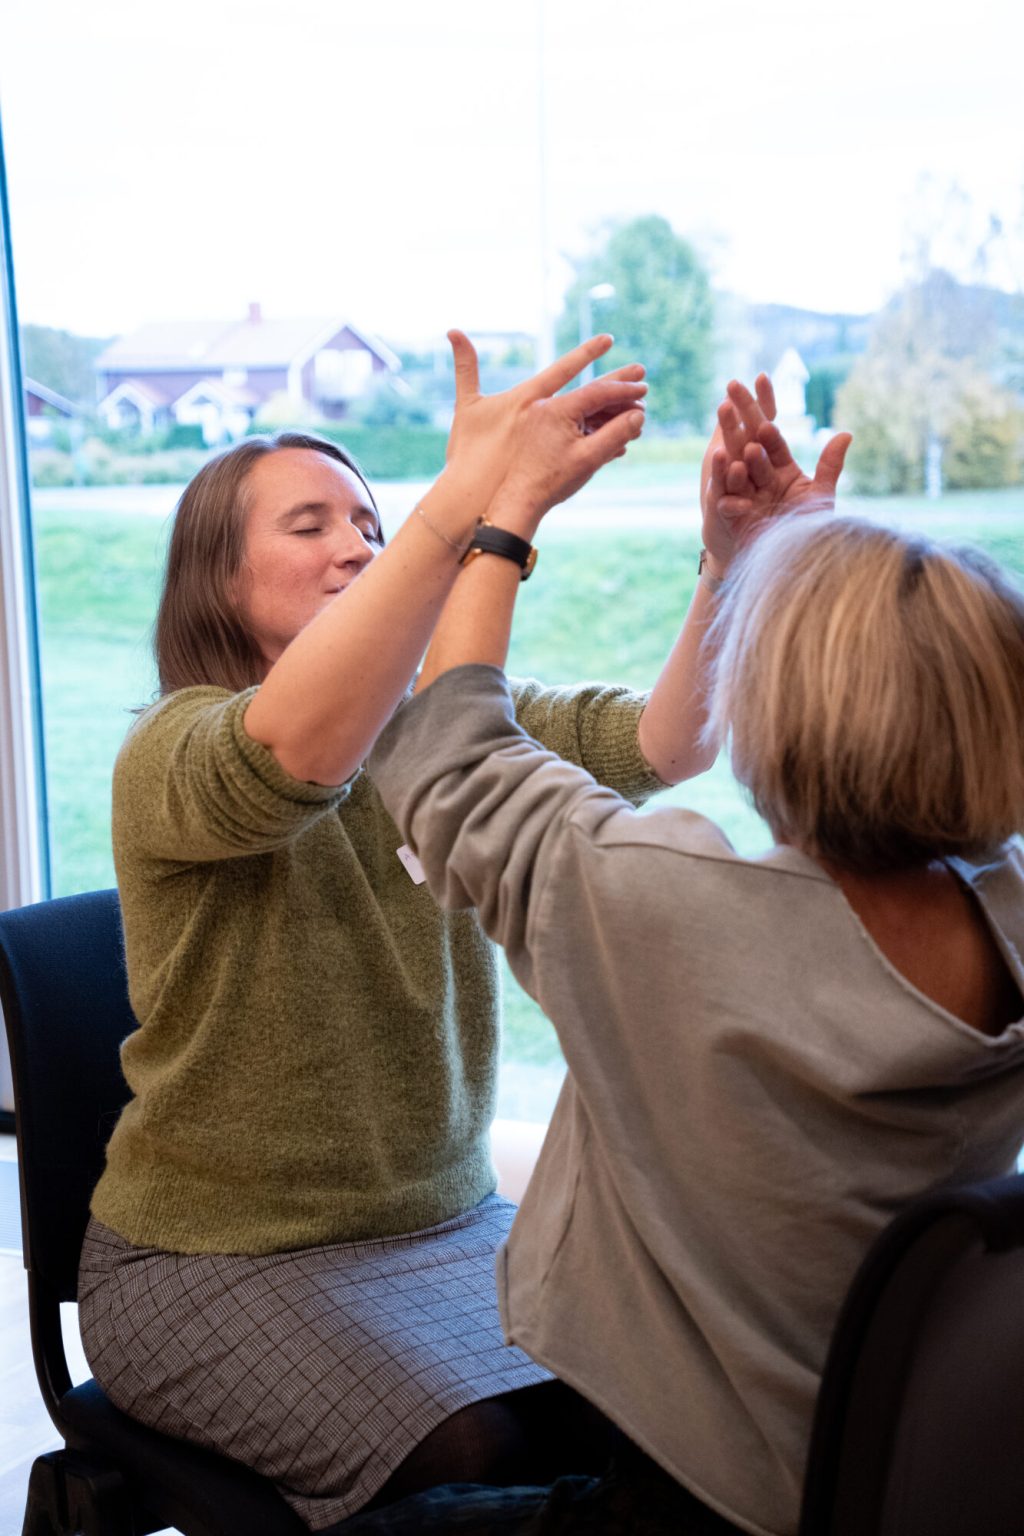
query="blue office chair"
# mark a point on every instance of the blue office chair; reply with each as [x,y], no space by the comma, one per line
[64,996]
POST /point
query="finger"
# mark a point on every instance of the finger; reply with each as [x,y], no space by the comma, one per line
[595,422]
[605,394]
[737,481]
[775,445]
[716,482]
[467,373]
[558,374]
[633,371]
[749,411]
[758,464]
[611,440]
[734,506]
[830,465]
[733,436]
[764,389]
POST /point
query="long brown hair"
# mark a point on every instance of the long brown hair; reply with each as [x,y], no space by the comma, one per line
[200,637]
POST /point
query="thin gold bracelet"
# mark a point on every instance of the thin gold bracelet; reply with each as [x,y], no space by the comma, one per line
[459,549]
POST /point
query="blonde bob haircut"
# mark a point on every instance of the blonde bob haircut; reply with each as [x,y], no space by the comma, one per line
[872,687]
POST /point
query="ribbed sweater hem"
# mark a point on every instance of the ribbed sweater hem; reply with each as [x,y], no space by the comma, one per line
[181,1215]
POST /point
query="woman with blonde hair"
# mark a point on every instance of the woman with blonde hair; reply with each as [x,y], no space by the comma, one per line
[767,1057]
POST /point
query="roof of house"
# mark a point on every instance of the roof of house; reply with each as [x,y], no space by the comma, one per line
[215,390]
[216,344]
[138,391]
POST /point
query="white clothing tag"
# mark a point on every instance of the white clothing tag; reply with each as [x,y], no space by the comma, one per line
[412,864]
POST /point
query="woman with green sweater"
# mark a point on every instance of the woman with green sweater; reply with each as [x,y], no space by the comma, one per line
[292,1247]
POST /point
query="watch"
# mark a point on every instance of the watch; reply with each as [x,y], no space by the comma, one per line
[489,540]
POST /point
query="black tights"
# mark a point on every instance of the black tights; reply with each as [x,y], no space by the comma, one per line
[531,1436]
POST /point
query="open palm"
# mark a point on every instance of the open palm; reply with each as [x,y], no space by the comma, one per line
[750,474]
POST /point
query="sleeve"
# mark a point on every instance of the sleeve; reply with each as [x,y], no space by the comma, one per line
[485,808]
[594,725]
[190,785]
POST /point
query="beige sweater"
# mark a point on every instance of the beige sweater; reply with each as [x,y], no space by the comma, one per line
[753,1092]
[318,1044]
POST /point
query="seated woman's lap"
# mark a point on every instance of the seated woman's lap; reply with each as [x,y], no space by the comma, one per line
[529,1436]
[331,1371]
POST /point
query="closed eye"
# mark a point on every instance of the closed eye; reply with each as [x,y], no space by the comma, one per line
[370,530]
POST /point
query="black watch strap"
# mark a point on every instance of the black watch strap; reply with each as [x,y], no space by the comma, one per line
[488,540]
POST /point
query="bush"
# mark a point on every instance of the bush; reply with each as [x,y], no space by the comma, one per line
[385,406]
[985,445]
[386,453]
[894,411]
[129,441]
[50,466]
[822,387]
[98,464]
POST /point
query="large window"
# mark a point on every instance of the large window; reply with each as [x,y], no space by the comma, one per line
[225,220]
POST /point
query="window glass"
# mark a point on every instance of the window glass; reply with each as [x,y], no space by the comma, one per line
[226,221]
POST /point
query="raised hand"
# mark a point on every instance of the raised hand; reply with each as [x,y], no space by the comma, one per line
[561,442]
[732,433]
[486,429]
[752,475]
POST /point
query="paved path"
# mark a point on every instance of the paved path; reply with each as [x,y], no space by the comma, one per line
[597,507]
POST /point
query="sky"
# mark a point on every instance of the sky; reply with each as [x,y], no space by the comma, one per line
[413,166]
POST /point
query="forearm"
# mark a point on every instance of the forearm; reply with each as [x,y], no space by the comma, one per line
[325,699]
[478,801]
[476,623]
[671,724]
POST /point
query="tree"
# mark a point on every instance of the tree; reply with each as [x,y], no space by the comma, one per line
[931,401]
[661,314]
[923,390]
[62,361]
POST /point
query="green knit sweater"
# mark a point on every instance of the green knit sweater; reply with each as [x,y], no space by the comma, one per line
[317,1055]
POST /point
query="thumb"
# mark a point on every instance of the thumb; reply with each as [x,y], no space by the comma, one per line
[830,465]
[467,375]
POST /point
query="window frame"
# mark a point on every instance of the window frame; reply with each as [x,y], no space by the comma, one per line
[24,840]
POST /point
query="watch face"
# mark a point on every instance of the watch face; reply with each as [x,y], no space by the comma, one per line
[531,561]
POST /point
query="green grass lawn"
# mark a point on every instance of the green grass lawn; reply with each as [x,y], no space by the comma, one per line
[602,604]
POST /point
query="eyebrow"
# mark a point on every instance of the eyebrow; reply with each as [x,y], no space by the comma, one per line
[320,508]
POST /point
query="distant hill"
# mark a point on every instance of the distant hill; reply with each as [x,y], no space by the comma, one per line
[821,339]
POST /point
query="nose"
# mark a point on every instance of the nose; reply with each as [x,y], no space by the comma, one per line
[351,550]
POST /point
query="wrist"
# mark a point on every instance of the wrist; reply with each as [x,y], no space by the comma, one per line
[711,573]
[515,512]
[454,506]
[489,539]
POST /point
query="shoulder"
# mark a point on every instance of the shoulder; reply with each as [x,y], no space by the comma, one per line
[675,861]
[166,726]
[177,712]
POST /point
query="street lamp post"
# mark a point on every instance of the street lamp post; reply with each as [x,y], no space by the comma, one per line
[586,317]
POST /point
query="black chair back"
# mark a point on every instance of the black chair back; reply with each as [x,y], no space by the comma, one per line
[919,1428]
[64,994]
[65,1001]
